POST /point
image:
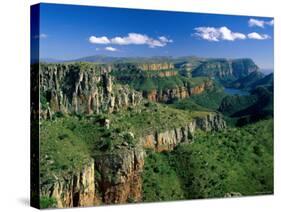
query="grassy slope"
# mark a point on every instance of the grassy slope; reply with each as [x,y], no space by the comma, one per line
[236,160]
[70,141]
[209,100]
[152,117]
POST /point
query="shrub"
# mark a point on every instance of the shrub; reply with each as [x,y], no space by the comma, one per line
[47,202]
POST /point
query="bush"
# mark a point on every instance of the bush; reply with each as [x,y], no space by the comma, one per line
[47,202]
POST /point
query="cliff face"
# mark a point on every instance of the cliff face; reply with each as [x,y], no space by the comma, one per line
[73,190]
[120,175]
[71,88]
[167,140]
[155,66]
[226,69]
[177,93]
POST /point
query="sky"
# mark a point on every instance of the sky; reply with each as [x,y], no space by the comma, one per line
[71,32]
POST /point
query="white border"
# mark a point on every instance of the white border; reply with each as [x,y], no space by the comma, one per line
[14,104]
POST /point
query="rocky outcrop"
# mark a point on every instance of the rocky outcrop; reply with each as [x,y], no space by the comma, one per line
[74,88]
[72,190]
[155,66]
[167,140]
[167,95]
[167,73]
[225,69]
[120,175]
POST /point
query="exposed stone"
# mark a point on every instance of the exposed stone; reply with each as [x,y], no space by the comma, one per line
[70,88]
[120,175]
[167,140]
[177,93]
[155,66]
[73,190]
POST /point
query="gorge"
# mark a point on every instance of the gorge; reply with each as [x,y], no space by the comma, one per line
[107,119]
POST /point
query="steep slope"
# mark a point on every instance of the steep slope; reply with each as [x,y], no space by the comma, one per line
[251,108]
[265,81]
[233,162]
[249,81]
[226,70]
[160,82]
[82,88]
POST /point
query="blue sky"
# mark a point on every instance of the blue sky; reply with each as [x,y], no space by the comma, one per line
[70,32]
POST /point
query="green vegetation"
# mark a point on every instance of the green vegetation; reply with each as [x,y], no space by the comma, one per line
[160,83]
[63,146]
[236,160]
[150,118]
[232,104]
[160,180]
[68,142]
[249,109]
[249,81]
[147,81]
[47,202]
[209,100]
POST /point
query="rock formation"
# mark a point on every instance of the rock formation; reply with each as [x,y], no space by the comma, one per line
[226,69]
[177,93]
[72,88]
[72,190]
[155,66]
[120,175]
[167,140]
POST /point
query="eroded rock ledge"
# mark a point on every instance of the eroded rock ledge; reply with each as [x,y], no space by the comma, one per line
[177,93]
[167,140]
[72,190]
[72,88]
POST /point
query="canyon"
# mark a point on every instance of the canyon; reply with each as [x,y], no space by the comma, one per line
[89,90]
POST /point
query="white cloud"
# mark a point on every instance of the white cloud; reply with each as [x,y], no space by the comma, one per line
[164,39]
[259,23]
[132,39]
[217,34]
[110,48]
[99,40]
[257,36]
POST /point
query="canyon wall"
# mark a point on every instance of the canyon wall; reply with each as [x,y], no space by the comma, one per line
[72,190]
[167,140]
[155,66]
[71,88]
[120,175]
[177,93]
[226,69]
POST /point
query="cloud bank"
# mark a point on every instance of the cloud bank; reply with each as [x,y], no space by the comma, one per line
[217,34]
[259,23]
[225,34]
[257,36]
[132,39]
